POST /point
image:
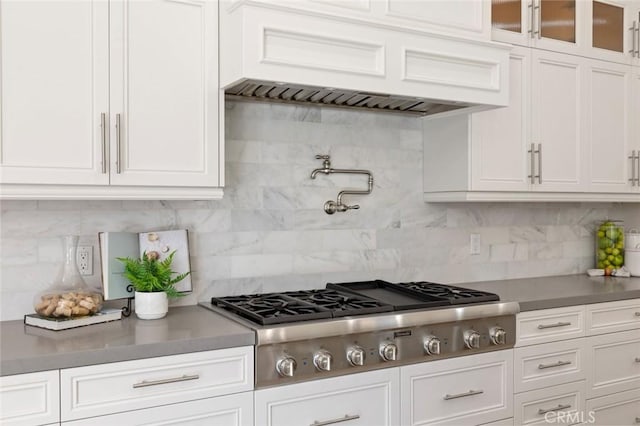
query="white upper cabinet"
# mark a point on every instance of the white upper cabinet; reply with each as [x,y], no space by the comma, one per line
[600,29]
[110,100]
[609,126]
[54,91]
[164,93]
[546,24]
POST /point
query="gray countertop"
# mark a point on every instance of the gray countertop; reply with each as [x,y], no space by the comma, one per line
[557,291]
[25,349]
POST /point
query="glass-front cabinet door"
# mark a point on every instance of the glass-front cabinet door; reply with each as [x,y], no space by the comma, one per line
[613,30]
[548,24]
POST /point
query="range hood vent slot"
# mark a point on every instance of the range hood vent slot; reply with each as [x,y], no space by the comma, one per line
[293,93]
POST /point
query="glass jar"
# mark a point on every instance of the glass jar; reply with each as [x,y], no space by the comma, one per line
[610,245]
[69,295]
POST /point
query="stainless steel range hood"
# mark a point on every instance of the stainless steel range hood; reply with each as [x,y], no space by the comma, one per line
[296,93]
[280,54]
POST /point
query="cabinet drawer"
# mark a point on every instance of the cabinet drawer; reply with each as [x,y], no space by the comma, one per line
[614,363]
[121,386]
[503,422]
[230,410]
[619,409]
[467,390]
[613,316]
[562,404]
[550,364]
[363,399]
[30,399]
[550,325]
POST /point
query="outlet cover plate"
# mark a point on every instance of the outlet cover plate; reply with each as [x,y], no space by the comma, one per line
[84,259]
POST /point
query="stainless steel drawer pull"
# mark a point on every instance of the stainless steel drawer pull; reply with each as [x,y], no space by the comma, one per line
[183,378]
[558,324]
[550,410]
[346,418]
[462,395]
[557,364]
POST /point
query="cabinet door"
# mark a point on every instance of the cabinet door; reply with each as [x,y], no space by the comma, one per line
[621,408]
[164,96]
[608,126]
[610,34]
[364,399]
[560,25]
[30,399]
[512,21]
[54,89]
[499,159]
[230,410]
[557,96]
[635,133]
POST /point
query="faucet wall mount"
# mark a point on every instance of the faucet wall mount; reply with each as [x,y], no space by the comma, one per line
[330,207]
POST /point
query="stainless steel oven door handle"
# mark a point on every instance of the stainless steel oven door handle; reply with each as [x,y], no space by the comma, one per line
[550,410]
[346,418]
[183,378]
[558,324]
[447,397]
[556,364]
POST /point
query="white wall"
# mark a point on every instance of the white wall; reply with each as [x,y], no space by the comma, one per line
[270,231]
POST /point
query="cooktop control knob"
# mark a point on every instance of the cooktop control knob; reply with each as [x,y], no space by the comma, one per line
[322,360]
[356,356]
[389,352]
[432,345]
[286,367]
[498,336]
[472,339]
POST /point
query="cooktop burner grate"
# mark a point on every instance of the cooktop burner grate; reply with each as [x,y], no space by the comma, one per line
[271,308]
[341,304]
[455,295]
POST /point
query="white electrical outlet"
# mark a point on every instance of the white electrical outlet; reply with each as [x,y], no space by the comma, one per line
[474,244]
[84,257]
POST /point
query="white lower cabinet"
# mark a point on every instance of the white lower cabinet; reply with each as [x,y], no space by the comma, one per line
[106,389]
[618,409]
[30,399]
[467,390]
[230,410]
[614,363]
[364,399]
[562,404]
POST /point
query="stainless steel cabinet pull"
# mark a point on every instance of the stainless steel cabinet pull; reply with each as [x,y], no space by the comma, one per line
[558,324]
[633,169]
[183,378]
[462,395]
[118,130]
[539,163]
[558,408]
[103,140]
[532,164]
[538,30]
[346,418]
[557,364]
[633,38]
[531,19]
[638,37]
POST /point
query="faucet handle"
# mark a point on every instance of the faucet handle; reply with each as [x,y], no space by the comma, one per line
[353,207]
[323,157]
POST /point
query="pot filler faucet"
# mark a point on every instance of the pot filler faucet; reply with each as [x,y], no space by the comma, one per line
[330,207]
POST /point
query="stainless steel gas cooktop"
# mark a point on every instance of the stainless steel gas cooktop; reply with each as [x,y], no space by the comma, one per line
[353,327]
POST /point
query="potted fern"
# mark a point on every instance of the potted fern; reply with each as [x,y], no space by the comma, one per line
[153,281]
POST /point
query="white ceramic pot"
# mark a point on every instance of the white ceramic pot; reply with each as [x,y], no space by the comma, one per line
[151,305]
[632,262]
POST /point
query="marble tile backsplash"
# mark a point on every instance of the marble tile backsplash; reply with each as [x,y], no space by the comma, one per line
[270,232]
